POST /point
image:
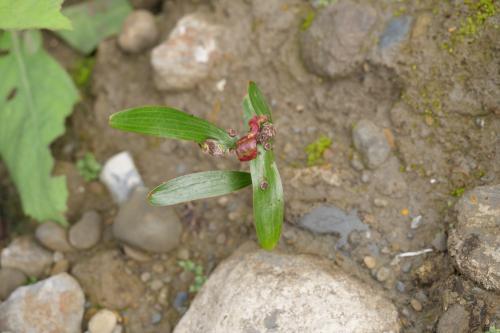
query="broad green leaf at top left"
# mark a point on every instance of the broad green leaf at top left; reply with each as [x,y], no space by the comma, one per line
[36,95]
[32,14]
[94,21]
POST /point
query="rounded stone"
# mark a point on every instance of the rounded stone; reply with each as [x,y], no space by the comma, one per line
[139,32]
[370,262]
[371,142]
[261,291]
[144,227]
[104,321]
[53,236]
[86,233]
[24,254]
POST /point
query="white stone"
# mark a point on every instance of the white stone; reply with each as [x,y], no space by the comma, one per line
[104,321]
[120,175]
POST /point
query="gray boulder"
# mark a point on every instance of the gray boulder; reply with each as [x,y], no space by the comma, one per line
[259,291]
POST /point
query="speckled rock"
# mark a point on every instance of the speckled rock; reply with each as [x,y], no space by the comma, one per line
[51,305]
[53,237]
[139,32]
[10,279]
[25,254]
[475,241]
[86,233]
[154,229]
[185,58]
[336,43]
[259,291]
[104,279]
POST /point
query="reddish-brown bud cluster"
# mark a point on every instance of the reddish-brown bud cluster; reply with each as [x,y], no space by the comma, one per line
[261,132]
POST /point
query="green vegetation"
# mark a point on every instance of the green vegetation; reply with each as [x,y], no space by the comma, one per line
[316,150]
[197,270]
[32,14]
[458,192]
[82,72]
[308,20]
[256,147]
[88,167]
[493,329]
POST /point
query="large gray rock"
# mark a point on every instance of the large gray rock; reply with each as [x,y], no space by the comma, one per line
[185,58]
[337,41]
[52,305]
[53,237]
[10,279]
[370,141]
[259,291]
[104,279]
[475,240]
[25,254]
[139,32]
[145,227]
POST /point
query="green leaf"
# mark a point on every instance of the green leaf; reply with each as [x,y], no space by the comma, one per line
[32,14]
[94,21]
[169,123]
[268,203]
[258,101]
[198,186]
[36,95]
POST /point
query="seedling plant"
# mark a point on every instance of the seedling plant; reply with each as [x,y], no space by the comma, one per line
[255,148]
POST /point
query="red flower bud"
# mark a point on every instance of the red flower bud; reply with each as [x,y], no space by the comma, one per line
[246,148]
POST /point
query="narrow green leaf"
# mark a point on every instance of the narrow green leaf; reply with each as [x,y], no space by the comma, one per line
[36,95]
[169,123]
[94,21]
[198,186]
[32,14]
[268,203]
[258,101]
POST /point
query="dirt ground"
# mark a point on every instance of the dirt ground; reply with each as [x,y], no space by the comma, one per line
[436,99]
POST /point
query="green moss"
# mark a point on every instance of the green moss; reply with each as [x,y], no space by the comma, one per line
[316,150]
[83,72]
[458,192]
[197,270]
[88,167]
[307,21]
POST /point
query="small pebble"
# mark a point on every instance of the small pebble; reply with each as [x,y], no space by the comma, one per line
[163,296]
[380,202]
[158,268]
[365,176]
[104,321]
[383,274]
[370,262]
[53,237]
[156,318]
[135,254]
[145,277]
[156,285]
[223,201]
[416,222]
[59,267]
[139,32]
[416,305]
[400,286]
[406,267]
[86,232]
[180,301]
[233,216]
